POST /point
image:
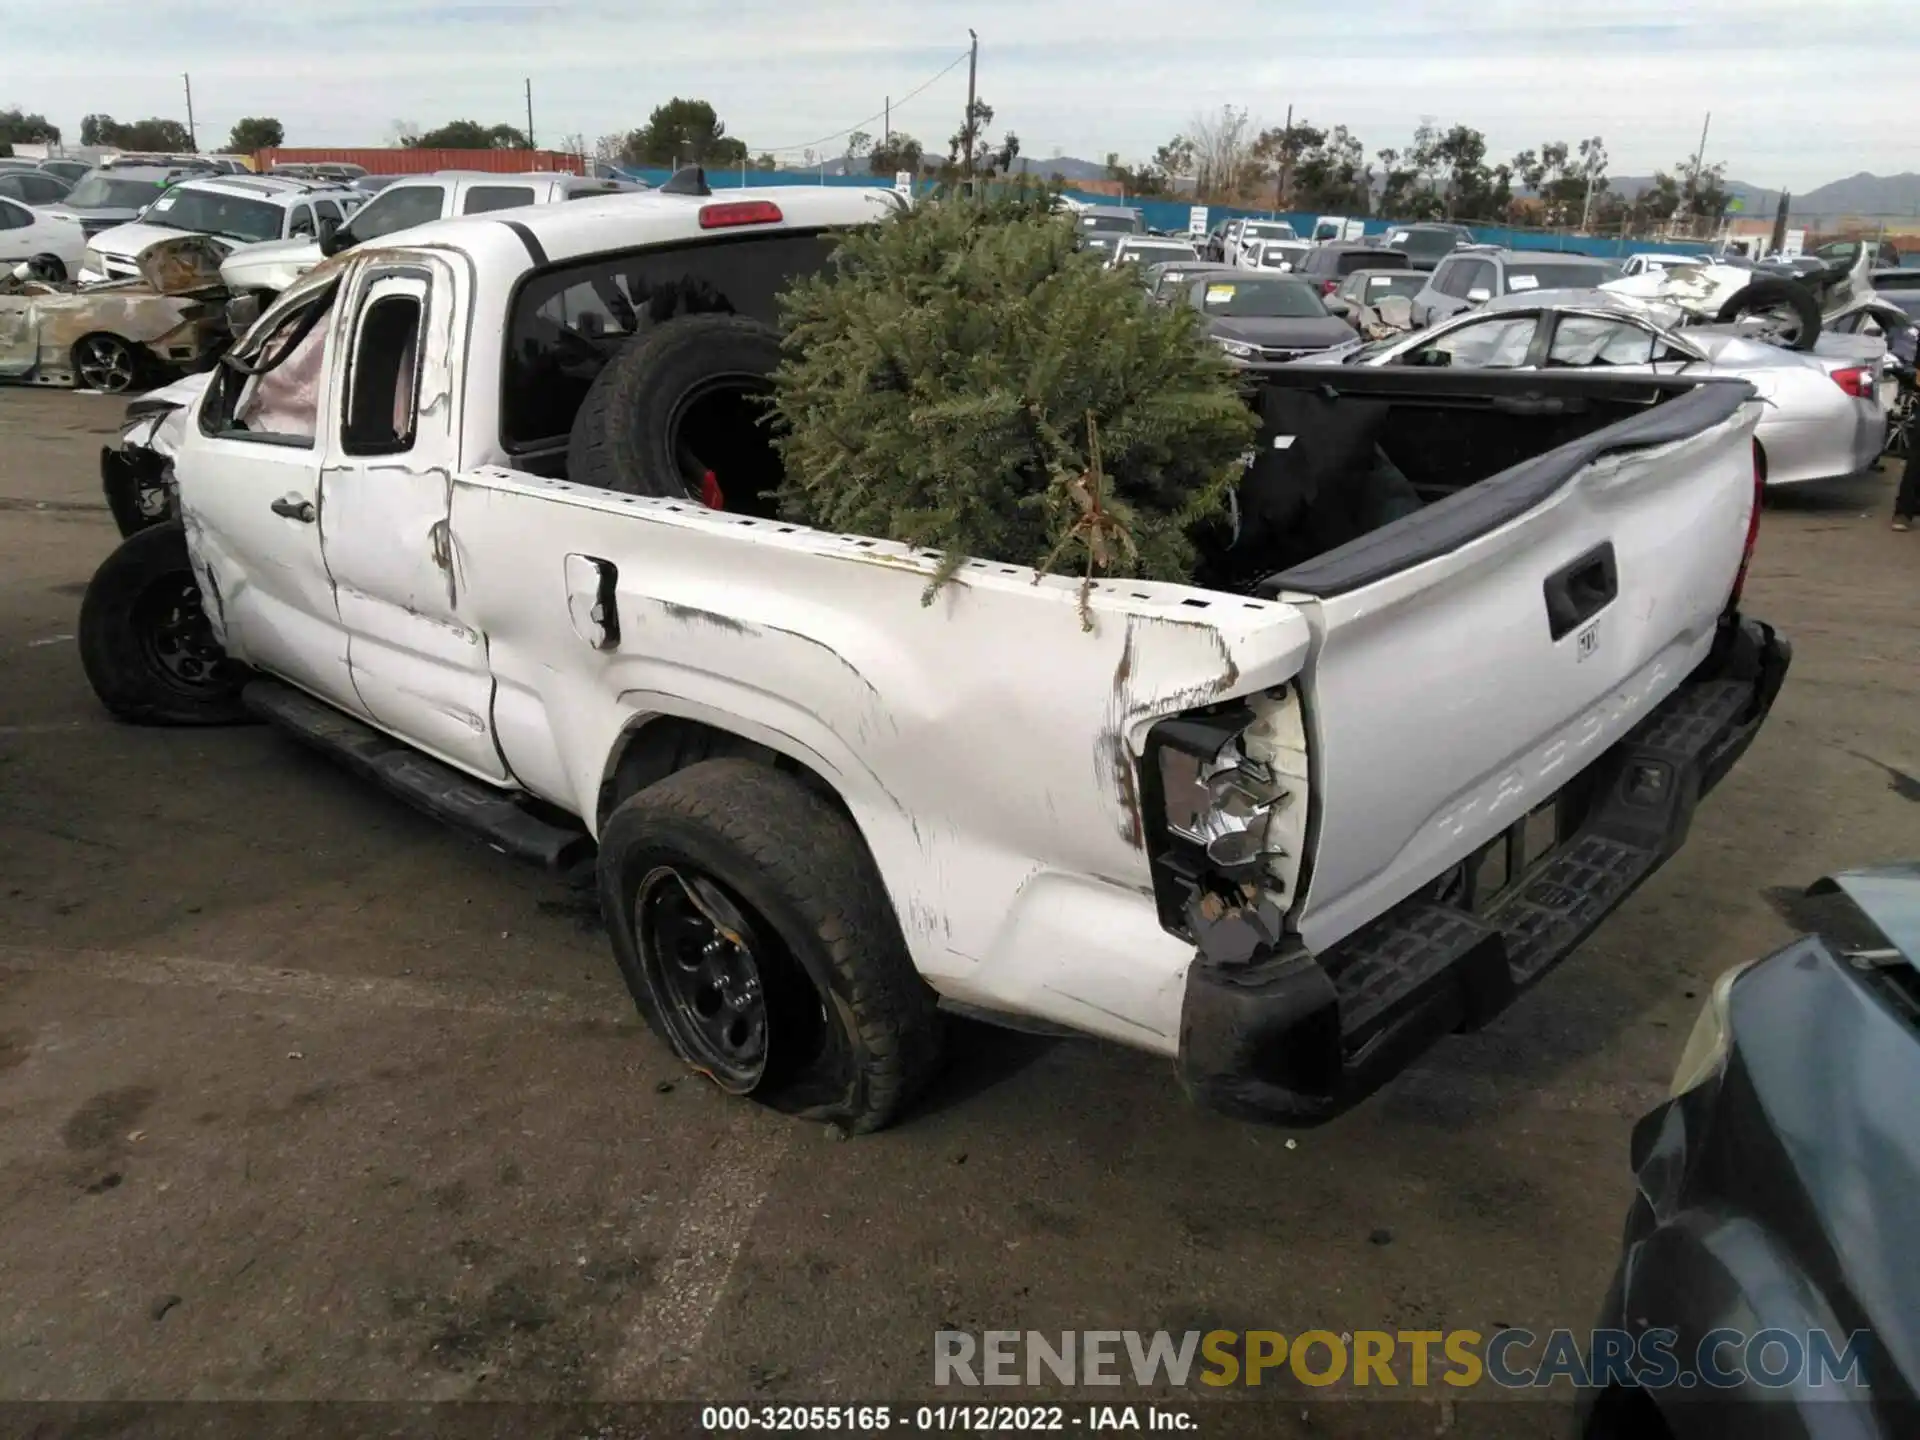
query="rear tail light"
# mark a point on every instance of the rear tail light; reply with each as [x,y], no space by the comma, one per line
[1857,381]
[1327,287]
[739,212]
[1753,525]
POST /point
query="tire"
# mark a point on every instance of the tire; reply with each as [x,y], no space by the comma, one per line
[1768,293]
[105,363]
[145,645]
[627,434]
[847,1031]
[50,268]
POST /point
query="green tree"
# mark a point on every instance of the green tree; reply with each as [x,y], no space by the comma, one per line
[17,127]
[150,134]
[765,161]
[469,135]
[859,146]
[988,159]
[1317,169]
[255,132]
[685,132]
[899,151]
[945,377]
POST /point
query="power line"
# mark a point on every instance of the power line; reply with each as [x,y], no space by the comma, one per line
[958,60]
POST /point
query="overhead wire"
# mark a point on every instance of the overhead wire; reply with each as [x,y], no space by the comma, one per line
[877,115]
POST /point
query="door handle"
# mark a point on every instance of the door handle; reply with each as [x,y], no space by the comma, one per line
[295,508]
[1578,592]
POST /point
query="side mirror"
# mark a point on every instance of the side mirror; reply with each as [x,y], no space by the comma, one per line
[241,312]
[333,236]
[1479,295]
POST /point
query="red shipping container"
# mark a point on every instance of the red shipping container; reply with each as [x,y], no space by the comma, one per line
[421,162]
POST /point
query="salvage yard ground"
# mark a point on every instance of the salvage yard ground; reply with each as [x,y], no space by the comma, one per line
[303,1096]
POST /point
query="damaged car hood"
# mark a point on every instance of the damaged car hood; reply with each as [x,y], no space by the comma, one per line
[271,265]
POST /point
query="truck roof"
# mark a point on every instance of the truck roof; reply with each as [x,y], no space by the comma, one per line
[627,221]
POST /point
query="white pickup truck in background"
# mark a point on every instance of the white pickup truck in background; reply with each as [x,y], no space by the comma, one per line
[477,512]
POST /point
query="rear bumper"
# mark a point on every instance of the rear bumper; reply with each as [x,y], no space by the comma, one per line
[1297,1037]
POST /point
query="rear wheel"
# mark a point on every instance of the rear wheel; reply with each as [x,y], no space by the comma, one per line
[105,363]
[50,268]
[757,940]
[145,643]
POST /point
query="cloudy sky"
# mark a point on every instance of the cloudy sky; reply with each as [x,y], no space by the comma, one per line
[1800,93]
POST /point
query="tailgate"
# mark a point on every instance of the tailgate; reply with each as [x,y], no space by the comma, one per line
[1472,659]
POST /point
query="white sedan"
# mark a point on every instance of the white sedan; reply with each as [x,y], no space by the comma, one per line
[52,244]
[1822,418]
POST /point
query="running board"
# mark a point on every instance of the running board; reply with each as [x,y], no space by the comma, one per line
[439,790]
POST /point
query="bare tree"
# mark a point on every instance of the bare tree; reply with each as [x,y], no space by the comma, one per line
[402,133]
[1222,150]
[610,148]
[574,144]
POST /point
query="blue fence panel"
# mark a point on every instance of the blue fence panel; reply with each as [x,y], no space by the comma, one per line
[1173,214]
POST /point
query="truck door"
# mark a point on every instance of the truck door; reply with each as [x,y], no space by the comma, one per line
[249,473]
[419,666]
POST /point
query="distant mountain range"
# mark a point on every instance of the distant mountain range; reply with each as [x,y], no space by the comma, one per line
[1884,196]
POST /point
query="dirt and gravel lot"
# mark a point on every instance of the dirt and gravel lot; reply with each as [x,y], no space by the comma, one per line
[304,1097]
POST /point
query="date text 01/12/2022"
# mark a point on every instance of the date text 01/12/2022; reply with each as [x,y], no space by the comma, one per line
[989,1419]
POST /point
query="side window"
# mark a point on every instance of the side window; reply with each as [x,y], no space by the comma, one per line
[566,323]
[1480,275]
[280,404]
[1500,343]
[1451,278]
[1585,340]
[326,209]
[400,207]
[41,189]
[482,198]
[14,217]
[381,390]
[301,222]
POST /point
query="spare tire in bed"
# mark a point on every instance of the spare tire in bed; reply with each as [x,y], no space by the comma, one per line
[1767,293]
[680,412]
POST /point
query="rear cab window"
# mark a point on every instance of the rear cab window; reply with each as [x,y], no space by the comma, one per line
[398,207]
[565,323]
[482,198]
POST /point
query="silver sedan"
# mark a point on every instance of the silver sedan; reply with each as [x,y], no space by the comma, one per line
[1822,417]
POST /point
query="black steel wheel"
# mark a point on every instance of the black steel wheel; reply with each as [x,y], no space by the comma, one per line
[758,941]
[146,643]
[705,957]
[105,363]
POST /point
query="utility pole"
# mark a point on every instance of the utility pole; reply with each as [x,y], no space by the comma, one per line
[886,130]
[1586,208]
[193,142]
[529,84]
[1699,158]
[973,66]
[1286,164]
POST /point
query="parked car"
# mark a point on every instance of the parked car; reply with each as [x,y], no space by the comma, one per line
[1332,262]
[1145,250]
[1099,226]
[1218,239]
[1777,1191]
[1338,227]
[113,337]
[1262,320]
[409,200]
[1647,260]
[1363,290]
[104,198]
[33,187]
[1841,252]
[1250,231]
[1822,416]
[1281,255]
[1468,278]
[238,209]
[70,171]
[1169,893]
[373,184]
[1903,277]
[336,173]
[1163,282]
[1426,244]
[50,243]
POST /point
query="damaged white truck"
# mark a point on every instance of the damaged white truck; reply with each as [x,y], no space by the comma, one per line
[481,512]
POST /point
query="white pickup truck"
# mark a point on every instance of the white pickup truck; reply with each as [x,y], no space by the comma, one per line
[479,512]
